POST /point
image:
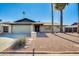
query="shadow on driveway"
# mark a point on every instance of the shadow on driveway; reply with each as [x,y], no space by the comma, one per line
[39,34]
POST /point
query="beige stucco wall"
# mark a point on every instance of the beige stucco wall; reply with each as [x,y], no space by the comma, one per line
[32,28]
[56,29]
[45,29]
[49,29]
[0,28]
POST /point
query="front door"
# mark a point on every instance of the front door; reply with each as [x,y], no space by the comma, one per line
[37,28]
[5,29]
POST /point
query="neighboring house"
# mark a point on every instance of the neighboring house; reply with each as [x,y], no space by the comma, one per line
[71,28]
[27,26]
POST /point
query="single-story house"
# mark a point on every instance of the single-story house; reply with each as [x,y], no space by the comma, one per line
[26,25]
[71,28]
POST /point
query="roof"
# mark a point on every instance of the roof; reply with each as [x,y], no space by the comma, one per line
[71,26]
[25,20]
[48,23]
[75,23]
[23,23]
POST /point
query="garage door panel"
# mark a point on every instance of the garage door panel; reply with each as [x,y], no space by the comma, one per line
[21,28]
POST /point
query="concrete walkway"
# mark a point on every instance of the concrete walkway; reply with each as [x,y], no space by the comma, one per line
[5,43]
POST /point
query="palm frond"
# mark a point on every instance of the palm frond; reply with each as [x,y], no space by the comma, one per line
[60,6]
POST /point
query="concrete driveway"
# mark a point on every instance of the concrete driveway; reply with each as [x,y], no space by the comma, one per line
[5,43]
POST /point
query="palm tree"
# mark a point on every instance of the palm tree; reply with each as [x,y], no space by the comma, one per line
[52,18]
[60,7]
[78,20]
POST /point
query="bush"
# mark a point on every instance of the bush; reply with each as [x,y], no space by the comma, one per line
[20,43]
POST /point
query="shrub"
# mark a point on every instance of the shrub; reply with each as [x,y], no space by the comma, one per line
[20,43]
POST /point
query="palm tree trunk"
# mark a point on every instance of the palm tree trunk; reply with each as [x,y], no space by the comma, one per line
[61,21]
[78,20]
[52,18]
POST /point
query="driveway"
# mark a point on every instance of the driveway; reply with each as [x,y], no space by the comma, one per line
[52,43]
[5,43]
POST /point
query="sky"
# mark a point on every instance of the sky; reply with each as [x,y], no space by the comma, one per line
[37,12]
